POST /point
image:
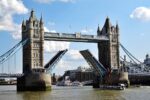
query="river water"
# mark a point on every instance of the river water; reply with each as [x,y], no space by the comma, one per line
[76,93]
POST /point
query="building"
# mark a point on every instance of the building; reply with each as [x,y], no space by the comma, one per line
[147,60]
[80,74]
[109,50]
[33,29]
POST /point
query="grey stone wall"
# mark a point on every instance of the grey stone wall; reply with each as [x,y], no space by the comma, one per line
[33,29]
[108,52]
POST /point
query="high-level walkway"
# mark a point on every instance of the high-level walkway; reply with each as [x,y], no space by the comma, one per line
[77,37]
[4,75]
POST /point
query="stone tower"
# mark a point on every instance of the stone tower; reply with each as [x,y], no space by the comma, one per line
[34,78]
[33,30]
[108,52]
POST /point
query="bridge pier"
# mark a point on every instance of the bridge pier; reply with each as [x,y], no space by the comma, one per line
[34,82]
[115,78]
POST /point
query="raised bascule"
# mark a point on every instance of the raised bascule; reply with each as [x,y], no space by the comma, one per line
[35,74]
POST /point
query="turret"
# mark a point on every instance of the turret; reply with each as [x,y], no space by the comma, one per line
[32,14]
[117,28]
[31,19]
[41,23]
[23,25]
[98,31]
[107,25]
[42,28]
[147,56]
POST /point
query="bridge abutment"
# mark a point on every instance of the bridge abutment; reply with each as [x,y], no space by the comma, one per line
[34,82]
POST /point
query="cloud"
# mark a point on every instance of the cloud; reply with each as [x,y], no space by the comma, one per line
[50,1]
[64,65]
[53,46]
[66,1]
[141,13]
[74,55]
[8,8]
[16,34]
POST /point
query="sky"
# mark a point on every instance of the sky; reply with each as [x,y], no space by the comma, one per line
[70,16]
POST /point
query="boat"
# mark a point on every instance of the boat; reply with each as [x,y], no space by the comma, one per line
[112,87]
[64,83]
[76,83]
[68,83]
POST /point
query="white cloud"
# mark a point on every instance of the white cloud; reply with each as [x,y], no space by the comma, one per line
[16,34]
[64,64]
[53,46]
[8,8]
[50,1]
[74,54]
[141,13]
[44,1]
[66,1]
[46,29]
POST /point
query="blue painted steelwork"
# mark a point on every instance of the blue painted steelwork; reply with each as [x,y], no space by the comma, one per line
[12,51]
[95,64]
[51,64]
[134,59]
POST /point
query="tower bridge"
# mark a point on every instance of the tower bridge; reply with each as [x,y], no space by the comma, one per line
[34,72]
[77,37]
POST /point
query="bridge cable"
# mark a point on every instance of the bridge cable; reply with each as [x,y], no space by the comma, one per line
[8,64]
[130,56]
[6,57]
[122,59]
[15,62]
[2,68]
[12,51]
[130,53]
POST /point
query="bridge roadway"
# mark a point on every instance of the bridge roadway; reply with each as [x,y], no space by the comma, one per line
[4,75]
[77,37]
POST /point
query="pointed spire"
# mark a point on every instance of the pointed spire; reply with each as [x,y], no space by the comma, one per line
[147,56]
[107,22]
[41,19]
[117,27]
[32,13]
[98,30]
[41,22]
[23,23]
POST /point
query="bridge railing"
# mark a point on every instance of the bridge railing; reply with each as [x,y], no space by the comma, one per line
[75,35]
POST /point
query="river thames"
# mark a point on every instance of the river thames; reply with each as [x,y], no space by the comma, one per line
[76,93]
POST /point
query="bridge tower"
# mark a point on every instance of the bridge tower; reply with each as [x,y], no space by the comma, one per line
[34,77]
[108,51]
[33,30]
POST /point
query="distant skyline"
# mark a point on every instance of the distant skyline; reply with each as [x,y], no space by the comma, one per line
[133,17]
